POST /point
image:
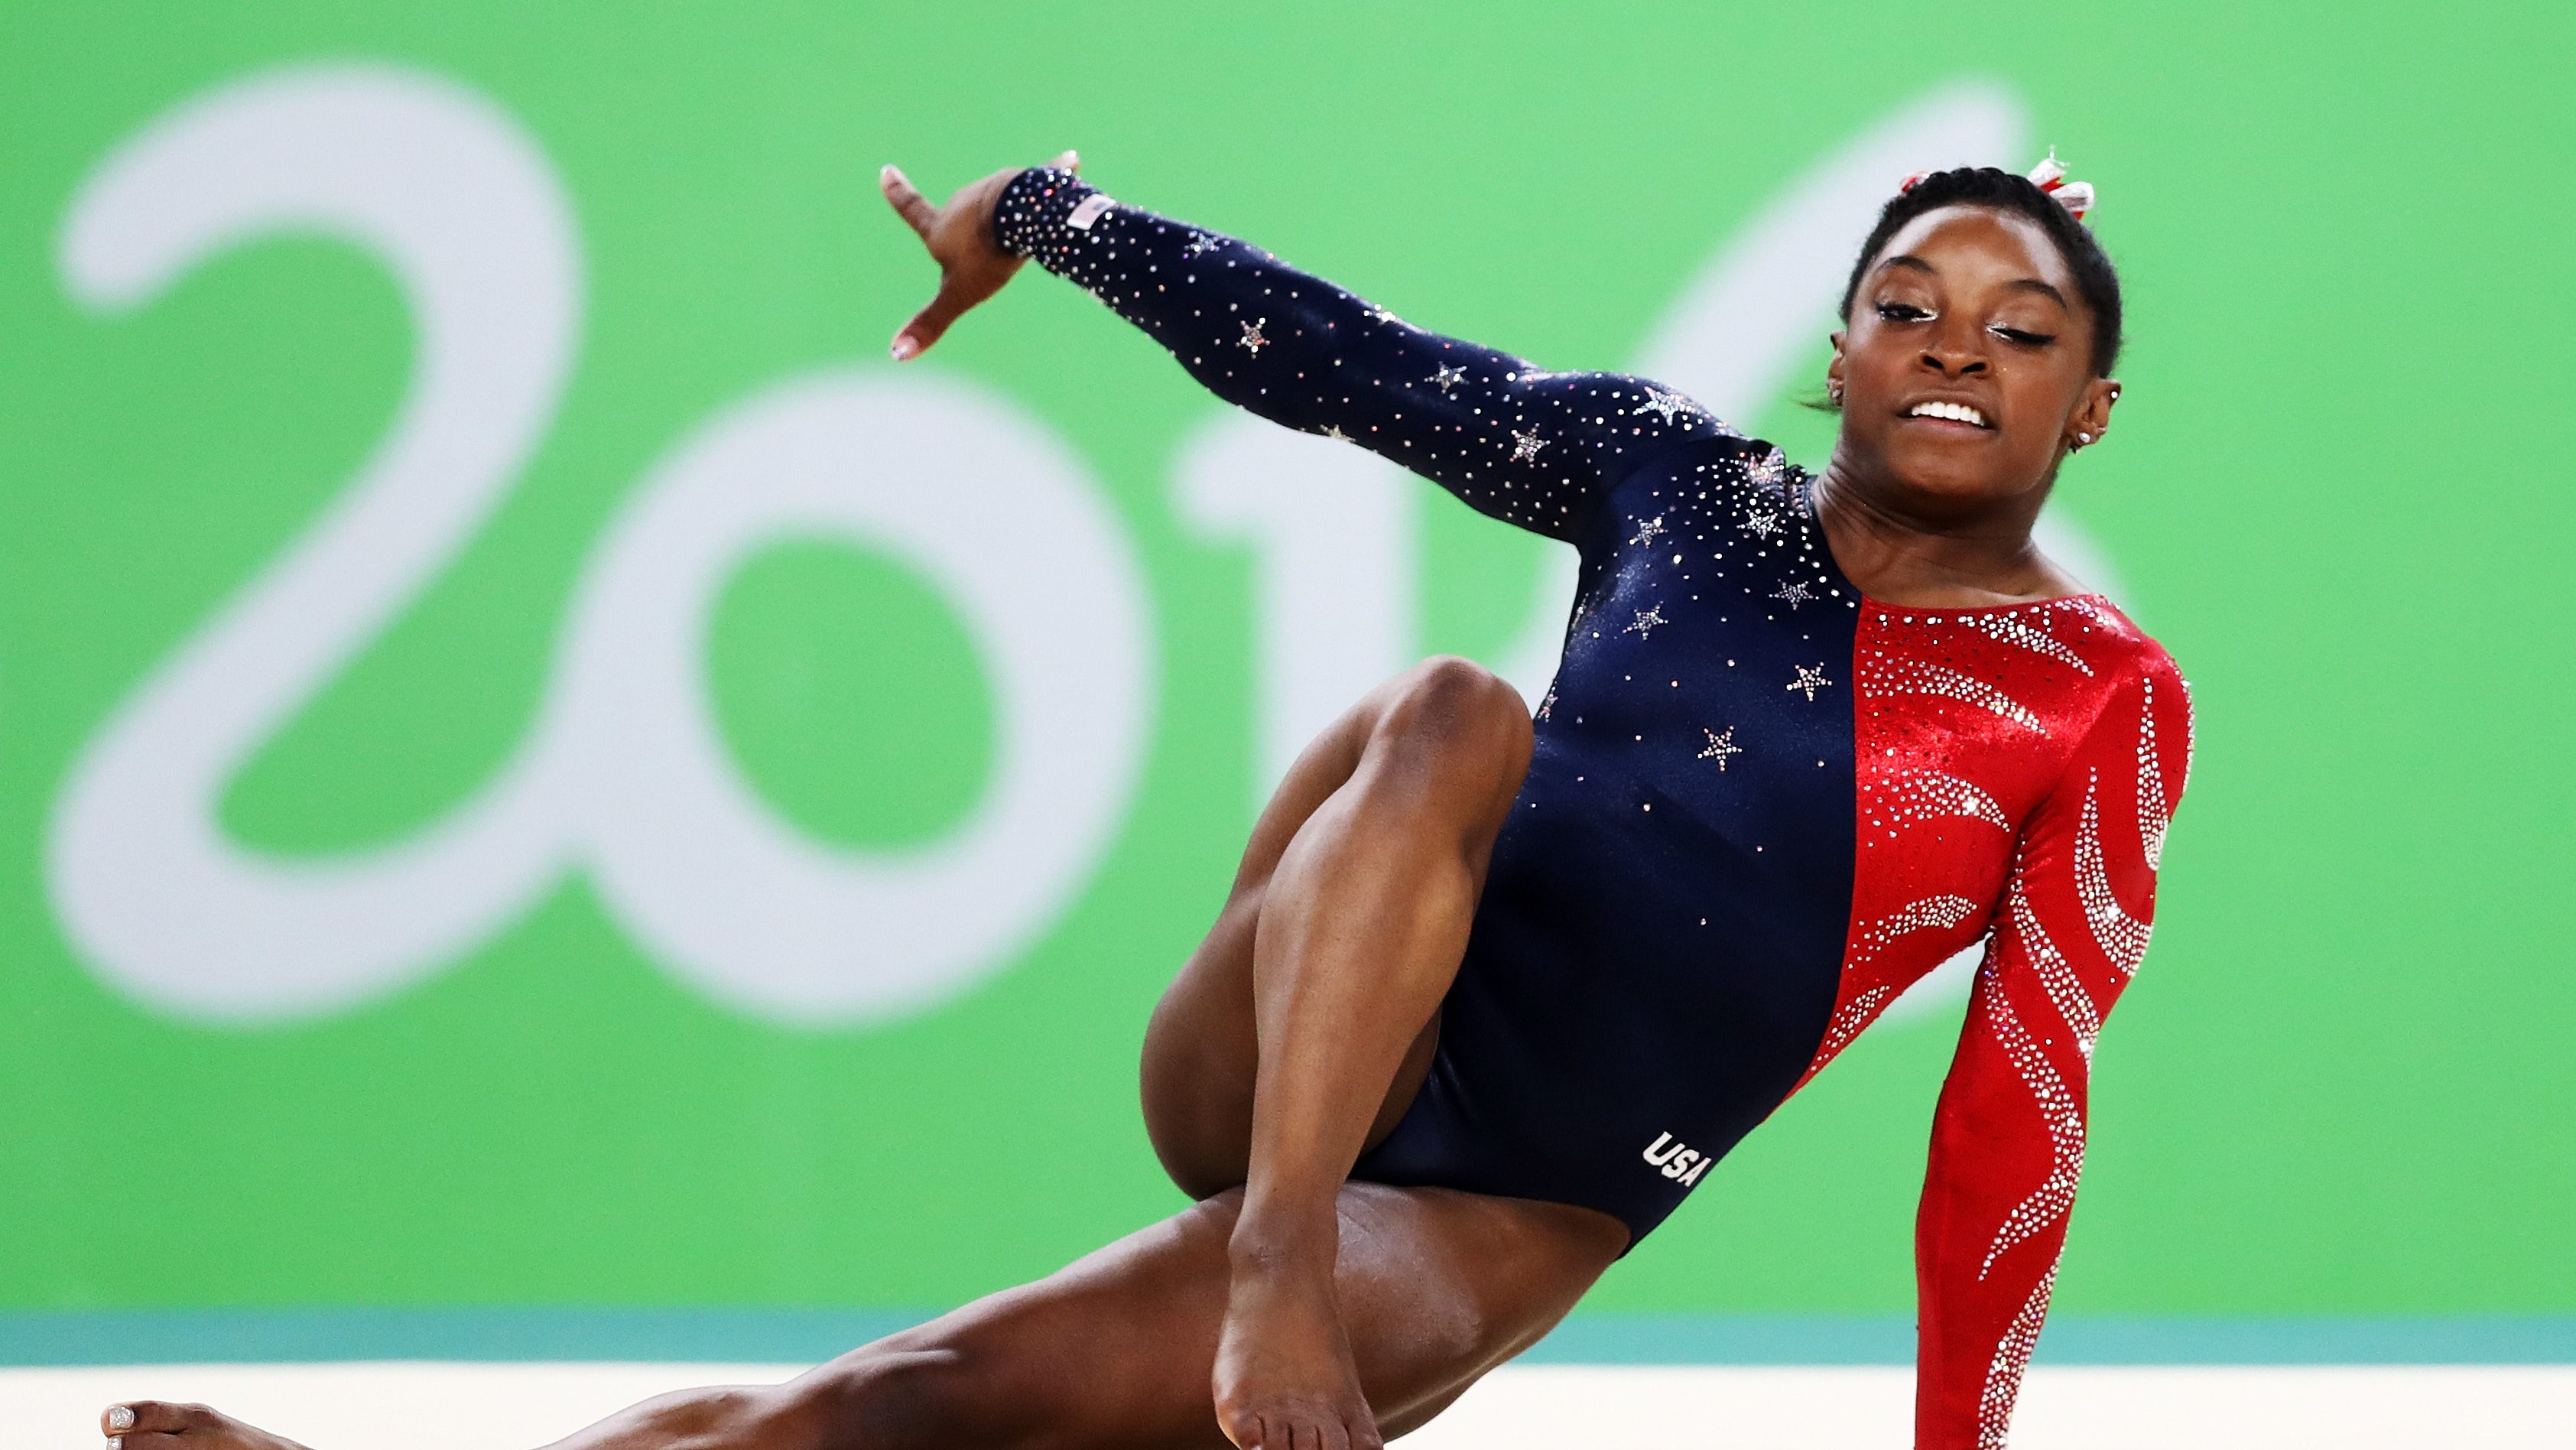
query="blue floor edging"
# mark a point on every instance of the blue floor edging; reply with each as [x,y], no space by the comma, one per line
[791,1336]
[2069,1339]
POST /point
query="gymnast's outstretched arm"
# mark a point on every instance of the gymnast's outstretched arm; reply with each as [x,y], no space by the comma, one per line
[1512,439]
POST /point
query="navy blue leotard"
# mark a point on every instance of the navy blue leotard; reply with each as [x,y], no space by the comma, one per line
[1760,803]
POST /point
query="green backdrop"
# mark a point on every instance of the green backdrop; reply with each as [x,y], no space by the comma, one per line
[2338,493]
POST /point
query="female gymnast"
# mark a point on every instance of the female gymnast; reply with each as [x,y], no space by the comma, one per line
[1491,994]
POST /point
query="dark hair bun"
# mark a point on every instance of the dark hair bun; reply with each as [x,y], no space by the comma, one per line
[1991,186]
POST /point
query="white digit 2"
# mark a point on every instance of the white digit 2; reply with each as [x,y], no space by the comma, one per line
[624,772]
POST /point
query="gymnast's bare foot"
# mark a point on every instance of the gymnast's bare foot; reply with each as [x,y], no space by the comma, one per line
[153,1424]
[1284,1375]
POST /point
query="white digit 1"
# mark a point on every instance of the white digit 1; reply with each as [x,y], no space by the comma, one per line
[625,771]
[1336,576]
[441,188]
[1335,550]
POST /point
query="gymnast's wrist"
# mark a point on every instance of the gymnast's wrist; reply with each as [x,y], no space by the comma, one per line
[1024,206]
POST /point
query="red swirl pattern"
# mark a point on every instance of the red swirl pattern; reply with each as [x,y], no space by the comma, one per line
[2018,758]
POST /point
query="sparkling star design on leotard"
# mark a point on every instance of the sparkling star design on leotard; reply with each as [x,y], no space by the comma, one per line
[1766,469]
[1334,432]
[1760,524]
[1668,404]
[1795,592]
[1721,746]
[1809,680]
[1201,244]
[1449,375]
[1648,531]
[1252,341]
[1525,446]
[1643,626]
[1382,316]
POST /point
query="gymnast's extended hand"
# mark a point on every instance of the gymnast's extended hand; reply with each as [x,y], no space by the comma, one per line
[972,265]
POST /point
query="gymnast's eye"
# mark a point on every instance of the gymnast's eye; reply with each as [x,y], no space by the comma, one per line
[2021,338]
[1904,312]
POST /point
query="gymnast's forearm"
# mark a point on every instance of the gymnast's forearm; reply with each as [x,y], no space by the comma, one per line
[1306,353]
[1247,326]
[1512,440]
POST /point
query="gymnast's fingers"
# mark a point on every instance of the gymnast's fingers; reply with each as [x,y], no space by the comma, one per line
[907,200]
[931,322]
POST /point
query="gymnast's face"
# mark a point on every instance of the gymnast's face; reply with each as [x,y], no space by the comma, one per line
[1966,366]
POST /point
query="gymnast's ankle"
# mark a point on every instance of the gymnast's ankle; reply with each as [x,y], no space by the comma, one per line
[1281,1244]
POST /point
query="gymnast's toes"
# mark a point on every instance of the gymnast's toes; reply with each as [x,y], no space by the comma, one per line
[143,1424]
[138,1423]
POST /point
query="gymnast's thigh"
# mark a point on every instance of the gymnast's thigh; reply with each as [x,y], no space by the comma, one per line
[1201,1051]
[1118,1348]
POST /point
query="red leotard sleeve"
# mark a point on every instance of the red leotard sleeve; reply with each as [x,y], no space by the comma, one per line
[2008,1136]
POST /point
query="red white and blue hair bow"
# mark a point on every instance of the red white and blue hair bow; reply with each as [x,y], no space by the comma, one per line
[2049,176]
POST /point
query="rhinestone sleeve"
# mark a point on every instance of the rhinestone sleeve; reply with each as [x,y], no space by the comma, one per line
[2008,1136]
[1513,440]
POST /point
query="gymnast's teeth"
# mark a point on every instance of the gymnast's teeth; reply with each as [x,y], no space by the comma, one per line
[1955,412]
